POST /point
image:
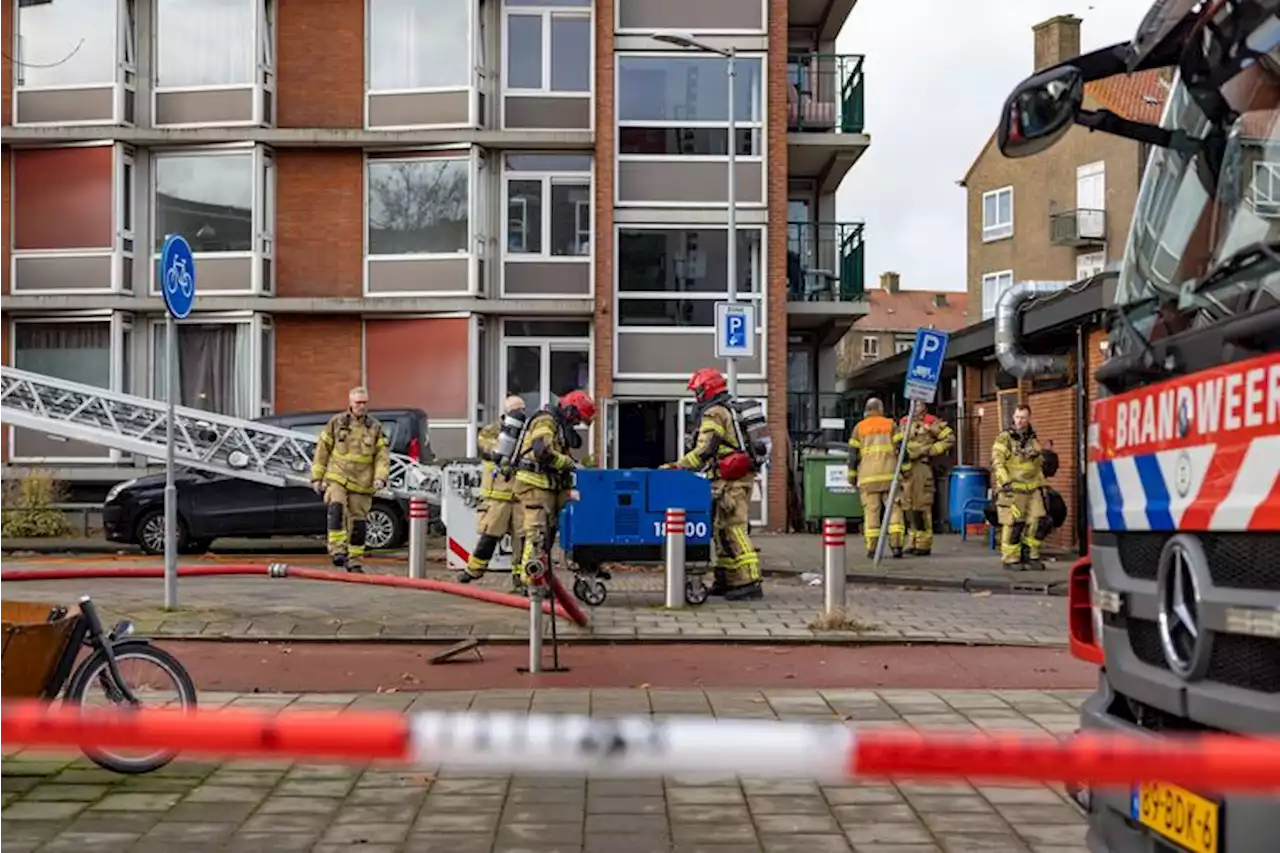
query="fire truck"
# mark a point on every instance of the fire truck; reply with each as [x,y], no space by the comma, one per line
[1178,599]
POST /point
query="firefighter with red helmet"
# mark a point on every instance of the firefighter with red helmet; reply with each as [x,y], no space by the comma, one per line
[544,472]
[717,449]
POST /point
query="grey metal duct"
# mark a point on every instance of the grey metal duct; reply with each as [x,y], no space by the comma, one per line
[1016,361]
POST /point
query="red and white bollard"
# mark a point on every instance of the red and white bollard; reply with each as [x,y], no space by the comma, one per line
[675,528]
[417,537]
[834,533]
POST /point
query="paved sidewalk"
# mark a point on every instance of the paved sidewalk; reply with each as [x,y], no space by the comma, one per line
[67,805]
[266,608]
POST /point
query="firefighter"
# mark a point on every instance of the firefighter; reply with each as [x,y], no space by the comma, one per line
[928,438]
[1018,463]
[352,462]
[873,456]
[498,513]
[544,474]
[737,569]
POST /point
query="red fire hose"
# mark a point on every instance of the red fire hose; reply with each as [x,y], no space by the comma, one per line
[566,607]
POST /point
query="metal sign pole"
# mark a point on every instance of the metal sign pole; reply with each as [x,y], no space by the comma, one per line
[170,489]
[893,487]
[731,267]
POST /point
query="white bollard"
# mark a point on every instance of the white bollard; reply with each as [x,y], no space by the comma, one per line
[417,537]
[834,532]
[536,597]
[675,557]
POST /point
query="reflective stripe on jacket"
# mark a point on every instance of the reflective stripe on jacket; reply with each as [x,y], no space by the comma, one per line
[929,436]
[543,434]
[352,452]
[493,486]
[716,439]
[1016,460]
[873,450]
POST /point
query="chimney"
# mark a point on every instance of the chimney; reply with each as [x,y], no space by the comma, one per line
[940,300]
[1057,39]
[889,282]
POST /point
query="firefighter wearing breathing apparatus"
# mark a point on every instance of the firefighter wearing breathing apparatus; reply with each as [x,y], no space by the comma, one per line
[873,456]
[544,473]
[1017,463]
[927,437]
[497,444]
[732,445]
[351,463]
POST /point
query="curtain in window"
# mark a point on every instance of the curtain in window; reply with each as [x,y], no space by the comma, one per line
[214,372]
[76,352]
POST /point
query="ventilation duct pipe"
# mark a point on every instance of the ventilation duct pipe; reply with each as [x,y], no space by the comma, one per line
[1013,358]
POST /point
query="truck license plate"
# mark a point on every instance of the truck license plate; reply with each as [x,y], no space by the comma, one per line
[1184,818]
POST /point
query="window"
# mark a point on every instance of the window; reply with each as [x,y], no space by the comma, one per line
[548,206]
[207,198]
[993,285]
[419,206]
[70,43]
[1089,264]
[416,45]
[1266,187]
[674,276]
[544,359]
[678,106]
[201,43]
[223,365]
[74,351]
[997,214]
[548,51]
[870,347]
[904,345]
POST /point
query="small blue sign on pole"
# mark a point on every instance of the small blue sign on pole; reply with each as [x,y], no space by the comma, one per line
[177,276]
[735,330]
[924,372]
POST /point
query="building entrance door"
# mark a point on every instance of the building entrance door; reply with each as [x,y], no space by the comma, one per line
[648,433]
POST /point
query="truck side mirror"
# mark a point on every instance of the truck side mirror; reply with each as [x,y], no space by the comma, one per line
[1040,110]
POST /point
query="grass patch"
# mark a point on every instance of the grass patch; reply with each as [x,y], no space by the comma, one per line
[840,620]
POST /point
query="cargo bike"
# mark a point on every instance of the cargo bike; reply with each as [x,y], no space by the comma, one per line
[51,651]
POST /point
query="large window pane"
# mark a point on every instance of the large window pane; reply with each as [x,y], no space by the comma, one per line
[206,43]
[570,53]
[662,88]
[210,377]
[419,44]
[683,260]
[418,206]
[207,199]
[66,43]
[690,141]
[524,52]
[570,219]
[570,371]
[545,329]
[549,162]
[524,217]
[524,374]
[666,312]
[76,352]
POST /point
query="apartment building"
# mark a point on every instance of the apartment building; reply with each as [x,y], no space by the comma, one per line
[445,200]
[1062,215]
[893,317]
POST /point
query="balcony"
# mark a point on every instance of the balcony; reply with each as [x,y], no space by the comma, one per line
[826,112]
[808,410]
[1079,228]
[823,18]
[825,277]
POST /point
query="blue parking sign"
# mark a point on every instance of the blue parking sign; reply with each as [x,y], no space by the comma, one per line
[735,330]
[924,372]
[177,276]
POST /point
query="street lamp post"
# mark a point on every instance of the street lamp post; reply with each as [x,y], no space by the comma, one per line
[731,268]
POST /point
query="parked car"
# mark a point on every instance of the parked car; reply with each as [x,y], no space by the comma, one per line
[212,506]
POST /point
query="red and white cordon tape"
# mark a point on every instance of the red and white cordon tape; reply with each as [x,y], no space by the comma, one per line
[644,747]
[675,521]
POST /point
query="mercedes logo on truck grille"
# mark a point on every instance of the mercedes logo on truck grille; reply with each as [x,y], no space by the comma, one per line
[1183,572]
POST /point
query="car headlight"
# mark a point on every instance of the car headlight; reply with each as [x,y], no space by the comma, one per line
[117,489]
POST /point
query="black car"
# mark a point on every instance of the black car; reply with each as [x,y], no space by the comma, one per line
[211,506]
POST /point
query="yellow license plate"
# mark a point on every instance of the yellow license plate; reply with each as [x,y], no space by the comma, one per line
[1184,818]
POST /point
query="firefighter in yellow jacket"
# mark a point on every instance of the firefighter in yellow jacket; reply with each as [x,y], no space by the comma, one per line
[1017,462]
[928,438]
[717,450]
[352,462]
[497,516]
[544,473]
[873,456]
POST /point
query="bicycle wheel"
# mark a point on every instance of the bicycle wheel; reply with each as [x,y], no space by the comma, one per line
[95,672]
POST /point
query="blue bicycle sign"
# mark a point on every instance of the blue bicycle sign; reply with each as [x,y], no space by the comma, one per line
[178,272]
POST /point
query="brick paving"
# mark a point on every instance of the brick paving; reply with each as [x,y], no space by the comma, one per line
[64,803]
[264,608]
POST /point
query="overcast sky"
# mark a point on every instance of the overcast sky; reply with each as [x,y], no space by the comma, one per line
[936,79]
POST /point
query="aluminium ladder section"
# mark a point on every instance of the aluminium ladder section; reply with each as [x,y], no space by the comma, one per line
[223,445]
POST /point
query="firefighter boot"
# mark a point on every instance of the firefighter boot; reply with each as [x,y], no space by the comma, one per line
[478,562]
[720,585]
[753,591]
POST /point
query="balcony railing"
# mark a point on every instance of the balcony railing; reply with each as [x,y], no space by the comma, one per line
[825,262]
[1080,227]
[826,93]
[807,409]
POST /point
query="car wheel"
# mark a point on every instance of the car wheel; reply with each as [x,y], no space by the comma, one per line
[149,533]
[385,528]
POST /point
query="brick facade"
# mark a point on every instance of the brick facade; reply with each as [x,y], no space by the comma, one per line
[318,360]
[776,253]
[319,222]
[320,63]
[603,202]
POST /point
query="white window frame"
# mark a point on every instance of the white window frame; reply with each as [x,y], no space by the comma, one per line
[548,178]
[546,13]
[719,31]
[1090,264]
[994,280]
[902,345]
[262,232]
[257,323]
[870,347]
[1266,172]
[117,251]
[548,345]
[477,213]
[121,324]
[992,231]
[264,36]
[475,61]
[740,123]
[760,266]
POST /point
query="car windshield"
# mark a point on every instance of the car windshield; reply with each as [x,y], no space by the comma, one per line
[1190,218]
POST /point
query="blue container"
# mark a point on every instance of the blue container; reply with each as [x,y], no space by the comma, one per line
[967,483]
